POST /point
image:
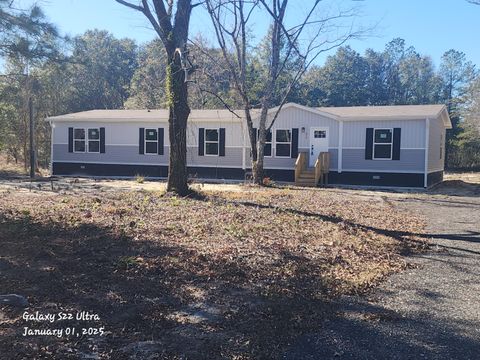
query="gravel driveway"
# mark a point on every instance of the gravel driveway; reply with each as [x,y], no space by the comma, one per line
[431,311]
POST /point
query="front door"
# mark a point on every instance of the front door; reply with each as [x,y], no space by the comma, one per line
[318,143]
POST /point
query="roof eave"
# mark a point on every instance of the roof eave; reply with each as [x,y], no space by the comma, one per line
[116,120]
[385,118]
[443,114]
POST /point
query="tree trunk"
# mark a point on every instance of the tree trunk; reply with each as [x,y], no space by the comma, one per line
[258,166]
[177,95]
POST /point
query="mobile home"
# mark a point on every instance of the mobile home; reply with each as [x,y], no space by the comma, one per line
[371,145]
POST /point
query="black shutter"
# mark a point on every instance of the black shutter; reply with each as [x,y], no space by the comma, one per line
[369,144]
[102,140]
[397,133]
[269,151]
[294,143]
[141,141]
[221,144]
[201,142]
[160,141]
[70,139]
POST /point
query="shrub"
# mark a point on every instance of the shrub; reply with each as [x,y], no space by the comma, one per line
[140,179]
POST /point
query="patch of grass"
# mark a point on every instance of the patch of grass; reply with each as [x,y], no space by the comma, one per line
[127,262]
[140,179]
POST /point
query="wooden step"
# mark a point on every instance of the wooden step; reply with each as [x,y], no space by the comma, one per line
[308,175]
[305,180]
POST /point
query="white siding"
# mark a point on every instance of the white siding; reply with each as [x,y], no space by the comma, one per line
[413,132]
[115,133]
[410,161]
[233,132]
[121,141]
[297,118]
[436,136]
[114,154]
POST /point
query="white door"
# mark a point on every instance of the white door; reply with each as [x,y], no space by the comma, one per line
[318,143]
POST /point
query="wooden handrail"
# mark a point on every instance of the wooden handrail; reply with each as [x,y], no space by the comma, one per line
[300,164]
[322,166]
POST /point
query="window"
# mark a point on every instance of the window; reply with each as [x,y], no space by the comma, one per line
[283,142]
[267,149]
[86,140]
[151,141]
[211,141]
[79,140]
[320,134]
[94,140]
[382,144]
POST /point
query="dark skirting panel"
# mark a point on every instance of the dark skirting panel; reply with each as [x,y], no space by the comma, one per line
[377,179]
[159,171]
[216,173]
[280,175]
[434,178]
[113,170]
[109,170]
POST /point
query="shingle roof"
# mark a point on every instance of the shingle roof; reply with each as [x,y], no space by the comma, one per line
[341,113]
[160,114]
[372,112]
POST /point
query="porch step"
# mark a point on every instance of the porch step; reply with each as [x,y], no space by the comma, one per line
[307,175]
[306,178]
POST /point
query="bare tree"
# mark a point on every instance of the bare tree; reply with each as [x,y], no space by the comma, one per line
[173,32]
[299,43]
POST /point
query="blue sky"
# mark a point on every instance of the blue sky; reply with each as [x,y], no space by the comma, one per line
[431,26]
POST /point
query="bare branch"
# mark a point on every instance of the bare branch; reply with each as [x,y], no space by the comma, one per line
[221,100]
[130,5]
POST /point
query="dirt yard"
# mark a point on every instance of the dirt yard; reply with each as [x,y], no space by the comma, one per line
[429,311]
[237,272]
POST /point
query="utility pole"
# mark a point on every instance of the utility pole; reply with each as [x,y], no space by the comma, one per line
[32,144]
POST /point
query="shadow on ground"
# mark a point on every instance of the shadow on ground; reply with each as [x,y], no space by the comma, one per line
[170,302]
[369,331]
[154,301]
[456,188]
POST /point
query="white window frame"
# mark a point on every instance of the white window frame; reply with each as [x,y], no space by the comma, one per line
[150,141]
[267,142]
[205,141]
[283,143]
[86,140]
[87,136]
[375,143]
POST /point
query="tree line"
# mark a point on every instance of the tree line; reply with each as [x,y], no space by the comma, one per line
[95,70]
